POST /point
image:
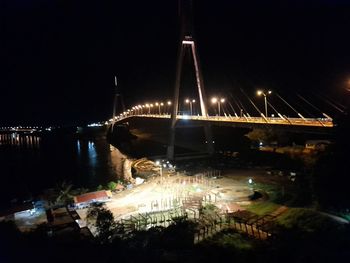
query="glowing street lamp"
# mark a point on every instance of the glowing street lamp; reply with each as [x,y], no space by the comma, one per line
[215,100]
[160,105]
[259,93]
[169,104]
[188,101]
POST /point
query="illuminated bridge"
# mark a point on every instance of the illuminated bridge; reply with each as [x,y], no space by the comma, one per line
[225,111]
[243,122]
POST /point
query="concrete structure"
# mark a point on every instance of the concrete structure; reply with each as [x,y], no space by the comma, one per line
[187,41]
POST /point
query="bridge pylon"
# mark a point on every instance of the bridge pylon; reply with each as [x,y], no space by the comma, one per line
[115,103]
[187,42]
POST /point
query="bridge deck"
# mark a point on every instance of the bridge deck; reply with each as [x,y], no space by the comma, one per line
[309,122]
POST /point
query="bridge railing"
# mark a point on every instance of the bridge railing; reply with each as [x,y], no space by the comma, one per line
[315,122]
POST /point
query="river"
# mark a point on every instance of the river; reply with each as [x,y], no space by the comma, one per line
[29,164]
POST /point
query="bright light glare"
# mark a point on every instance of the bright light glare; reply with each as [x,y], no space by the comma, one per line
[214,100]
[187,42]
[187,101]
[259,92]
[222,100]
[169,102]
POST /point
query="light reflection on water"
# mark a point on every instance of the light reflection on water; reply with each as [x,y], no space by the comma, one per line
[20,140]
[30,163]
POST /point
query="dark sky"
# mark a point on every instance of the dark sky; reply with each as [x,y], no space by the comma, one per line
[58,57]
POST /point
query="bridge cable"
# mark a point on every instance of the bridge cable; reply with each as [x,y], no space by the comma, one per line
[229,103]
[309,114]
[333,104]
[313,106]
[239,104]
[279,114]
[261,114]
[290,106]
[314,117]
[251,101]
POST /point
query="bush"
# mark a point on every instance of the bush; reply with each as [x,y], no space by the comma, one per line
[112,185]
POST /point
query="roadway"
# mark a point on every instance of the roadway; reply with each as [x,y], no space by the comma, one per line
[304,122]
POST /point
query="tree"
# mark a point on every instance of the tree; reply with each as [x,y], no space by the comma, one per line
[263,135]
[103,220]
[112,185]
[63,193]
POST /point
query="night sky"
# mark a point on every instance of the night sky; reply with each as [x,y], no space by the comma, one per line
[58,58]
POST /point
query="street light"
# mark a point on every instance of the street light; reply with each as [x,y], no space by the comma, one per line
[215,100]
[259,93]
[158,104]
[169,104]
[188,101]
[161,105]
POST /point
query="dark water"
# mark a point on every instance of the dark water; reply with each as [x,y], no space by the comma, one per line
[29,164]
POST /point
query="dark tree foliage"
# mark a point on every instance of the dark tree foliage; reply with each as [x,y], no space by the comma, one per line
[103,220]
[331,178]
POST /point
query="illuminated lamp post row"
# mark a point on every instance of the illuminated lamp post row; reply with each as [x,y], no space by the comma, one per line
[139,109]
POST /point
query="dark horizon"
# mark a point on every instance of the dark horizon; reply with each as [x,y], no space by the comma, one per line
[58,59]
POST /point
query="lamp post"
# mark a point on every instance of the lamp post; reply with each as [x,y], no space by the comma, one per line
[149,108]
[158,104]
[188,101]
[169,104]
[218,101]
[260,92]
[140,109]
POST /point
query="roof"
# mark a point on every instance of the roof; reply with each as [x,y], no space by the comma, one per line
[99,195]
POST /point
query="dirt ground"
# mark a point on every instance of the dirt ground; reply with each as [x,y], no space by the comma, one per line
[229,191]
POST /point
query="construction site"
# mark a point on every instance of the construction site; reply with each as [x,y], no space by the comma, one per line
[210,199]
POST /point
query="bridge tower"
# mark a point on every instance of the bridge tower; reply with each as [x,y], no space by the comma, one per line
[115,104]
[187,42]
